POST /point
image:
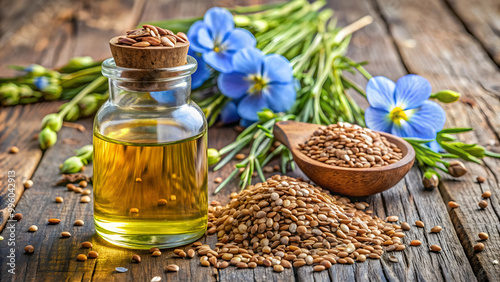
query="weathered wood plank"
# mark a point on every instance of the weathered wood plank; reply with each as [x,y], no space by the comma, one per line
[461,51]
[481,18]
[19,127]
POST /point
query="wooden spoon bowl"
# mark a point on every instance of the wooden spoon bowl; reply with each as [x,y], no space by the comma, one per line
[343,180]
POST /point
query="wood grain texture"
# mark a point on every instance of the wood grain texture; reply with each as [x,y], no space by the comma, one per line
[19,126]
[460,50]
[482,19]
[54,258]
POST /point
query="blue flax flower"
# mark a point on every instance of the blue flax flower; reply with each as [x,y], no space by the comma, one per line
[261,81]
[229,113]
[217,39]
[41,82]
[202,73]
[403,108]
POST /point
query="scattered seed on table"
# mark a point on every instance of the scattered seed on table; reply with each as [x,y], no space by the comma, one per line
[54,221]
[480,179]
[415,243]
[162,202]
[172,267]
[479,247]
[252,264]
[218,180]
[268,169]
[28,184]
[156,279]
[83,183]
[33,228]
[71,187]
[59,199]
[79,222]
[360,206]
[86,245]
[29,249]
[138,179]
[436,229]
[453,204]
[86,192]
[435,248]
[405,226]
[495,262]
[65,234]
[93,254]
[486,194]
[85,199]
[361,258]
[121,269]
[182,254]
[81,257]
[483,236]
[393,259]
[190,253]
[13,150]
[392,218]
[483,204]
[134,210]
[240,156]
[156,253]
[153,249]
[18,216]
[136,258]
[419,223]
[78,190]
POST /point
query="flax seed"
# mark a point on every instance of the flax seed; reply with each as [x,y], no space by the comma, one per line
[65,234]
[136,258]
[54,221]
[483,236]
[173,268]
[33,228]
[486,194]
[29,249]
[419,223]
[436,229]
[86,245]
[479,247]
[435,248]
[81,257]
[452,204]
[483,204]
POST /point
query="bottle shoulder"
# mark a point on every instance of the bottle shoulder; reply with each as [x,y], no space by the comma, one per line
[188,117]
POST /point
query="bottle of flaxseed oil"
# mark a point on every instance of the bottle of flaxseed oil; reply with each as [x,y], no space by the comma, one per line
[150,159]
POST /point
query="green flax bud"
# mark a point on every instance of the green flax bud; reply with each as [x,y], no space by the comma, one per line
[47,138]
[52,121]
[52,92]
[446,96]
[9,94]
[72,165]
[213,156]
[73,113]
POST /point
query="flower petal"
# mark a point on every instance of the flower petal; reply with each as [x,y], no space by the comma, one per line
[193,37]
[380,92]
[204,39]
[277,68]
[238,39]
[219,21]
[377,119]
[233,85]
[248,61]
[280,96]
[220,61]
[424,123]
[202,73]
[250,105]
[434,145]
[411,91]
[229,113]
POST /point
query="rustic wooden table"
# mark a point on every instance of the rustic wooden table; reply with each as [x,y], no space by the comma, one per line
[454,43]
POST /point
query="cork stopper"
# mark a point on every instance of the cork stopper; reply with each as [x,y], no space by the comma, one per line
[148,52]
[150,57]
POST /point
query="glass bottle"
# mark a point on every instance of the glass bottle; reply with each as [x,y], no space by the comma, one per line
[150,159]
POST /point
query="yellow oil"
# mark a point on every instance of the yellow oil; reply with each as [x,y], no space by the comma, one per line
[149,190]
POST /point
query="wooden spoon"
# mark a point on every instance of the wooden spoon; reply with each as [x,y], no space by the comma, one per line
[342,180]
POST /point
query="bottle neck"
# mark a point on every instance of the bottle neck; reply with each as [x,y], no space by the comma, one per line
[172,93]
